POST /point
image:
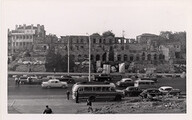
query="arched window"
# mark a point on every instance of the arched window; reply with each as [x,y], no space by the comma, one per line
[143,56]
[79,56]
[137,58]
[92,57]
[85,57]
[161,57]
[119,57]
[149,57]
[125,57]
[131,57]
[97,57]
[155,57]
[104,57]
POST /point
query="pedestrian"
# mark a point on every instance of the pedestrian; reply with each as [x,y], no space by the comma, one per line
[68,93]
[47,110]
[16,80]
[77,97]
[89,104]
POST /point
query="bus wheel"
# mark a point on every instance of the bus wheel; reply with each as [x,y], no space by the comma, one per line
[92,98]
[118,98]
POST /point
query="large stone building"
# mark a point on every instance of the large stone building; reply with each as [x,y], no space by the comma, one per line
[24,37]
[110,48]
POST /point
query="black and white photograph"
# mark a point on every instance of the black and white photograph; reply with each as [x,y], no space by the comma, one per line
[95,58]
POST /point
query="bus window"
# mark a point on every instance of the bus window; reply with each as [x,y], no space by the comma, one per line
[80,89]
[97,88]
[112,89]
[105,89]
[87,88]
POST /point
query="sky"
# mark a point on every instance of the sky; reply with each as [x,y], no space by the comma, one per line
[64,17]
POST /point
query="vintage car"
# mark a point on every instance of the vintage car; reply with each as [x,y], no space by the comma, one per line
[23,79]
[102,78]
[54,83]
[132,91]
[151,94]
[169,90]
[67,79]
[125,82]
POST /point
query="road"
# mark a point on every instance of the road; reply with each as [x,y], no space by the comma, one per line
[32,98]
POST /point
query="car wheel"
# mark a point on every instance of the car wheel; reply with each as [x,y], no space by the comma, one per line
[92,98]
[48,87]
[118,98]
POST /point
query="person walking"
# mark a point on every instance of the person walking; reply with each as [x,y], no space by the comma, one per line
[68,93]
[16,80]
[89,104]
[77,97]
[47,110]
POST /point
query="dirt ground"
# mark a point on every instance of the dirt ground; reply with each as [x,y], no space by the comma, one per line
[131,106]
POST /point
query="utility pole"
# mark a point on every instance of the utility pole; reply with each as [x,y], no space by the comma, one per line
[89,57]
[68,56]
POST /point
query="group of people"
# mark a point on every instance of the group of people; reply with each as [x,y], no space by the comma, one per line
[17,81]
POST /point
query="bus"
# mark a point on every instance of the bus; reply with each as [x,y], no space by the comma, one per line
[144,84]
[96,90]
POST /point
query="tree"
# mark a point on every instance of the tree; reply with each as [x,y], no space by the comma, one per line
[166,34]
[108,33]
[50,61]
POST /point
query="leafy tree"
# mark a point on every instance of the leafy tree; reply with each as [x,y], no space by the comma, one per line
[51,61]
[58,62]
[108,33]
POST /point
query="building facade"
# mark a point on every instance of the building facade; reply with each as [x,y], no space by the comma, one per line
[24,37]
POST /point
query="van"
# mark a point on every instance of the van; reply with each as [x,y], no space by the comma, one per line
[144,84]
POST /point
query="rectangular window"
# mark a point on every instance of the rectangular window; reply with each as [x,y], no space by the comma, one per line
[87,88]
[80,89]
[77,47]
[105,89]
[97,88]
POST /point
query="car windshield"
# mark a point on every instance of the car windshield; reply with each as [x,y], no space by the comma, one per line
[168,89]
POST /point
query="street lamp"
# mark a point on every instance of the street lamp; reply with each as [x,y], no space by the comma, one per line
[89,57]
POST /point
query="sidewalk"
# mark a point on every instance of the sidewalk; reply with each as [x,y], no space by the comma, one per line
[37,106]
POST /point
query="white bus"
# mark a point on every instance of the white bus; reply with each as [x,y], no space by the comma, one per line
[93,91]
[144,84]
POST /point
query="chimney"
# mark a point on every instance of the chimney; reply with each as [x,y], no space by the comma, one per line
[16,26]
[24,26]
[31,26]
[38,28]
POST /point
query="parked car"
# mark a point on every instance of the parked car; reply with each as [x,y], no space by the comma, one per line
[150,78]
[34,80]
[132,91]
[23,79]
[54,83]
[67,79]
[125,82]
[103,78]
[151,94]
[169,90]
